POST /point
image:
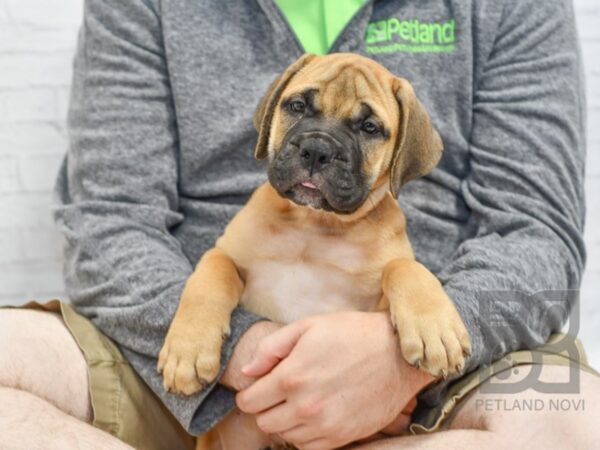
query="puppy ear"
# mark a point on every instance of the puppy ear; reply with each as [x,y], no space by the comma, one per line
[419,146]
[264,113]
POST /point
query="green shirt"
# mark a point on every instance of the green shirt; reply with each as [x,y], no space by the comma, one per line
[317,23]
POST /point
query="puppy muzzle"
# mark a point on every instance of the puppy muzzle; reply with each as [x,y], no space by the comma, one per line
[321,168]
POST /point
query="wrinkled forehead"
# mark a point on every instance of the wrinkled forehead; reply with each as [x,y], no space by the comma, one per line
[342,89]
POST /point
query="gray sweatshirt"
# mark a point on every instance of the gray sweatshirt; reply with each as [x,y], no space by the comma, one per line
[161,158]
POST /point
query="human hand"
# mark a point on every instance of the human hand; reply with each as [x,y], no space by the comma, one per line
[243,352]
[329,380]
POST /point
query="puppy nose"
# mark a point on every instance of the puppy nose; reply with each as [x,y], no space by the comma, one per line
[315,154]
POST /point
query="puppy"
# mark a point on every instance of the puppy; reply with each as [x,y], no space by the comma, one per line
[326,233]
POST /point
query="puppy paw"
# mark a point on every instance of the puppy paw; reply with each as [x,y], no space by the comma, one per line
[189,360]
[435,340]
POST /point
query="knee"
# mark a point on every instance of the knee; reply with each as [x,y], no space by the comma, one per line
[39,355]
[536,411]
[31,343]
[25,337]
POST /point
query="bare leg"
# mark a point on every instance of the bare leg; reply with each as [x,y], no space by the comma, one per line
[44,401]
[495,421]
[27,422]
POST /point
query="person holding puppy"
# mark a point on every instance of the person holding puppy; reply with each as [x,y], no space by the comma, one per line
[161,159]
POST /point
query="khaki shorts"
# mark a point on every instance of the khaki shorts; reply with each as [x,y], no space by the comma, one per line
[125,407]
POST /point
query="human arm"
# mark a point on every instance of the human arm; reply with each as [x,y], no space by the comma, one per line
[525,186]
[119,201]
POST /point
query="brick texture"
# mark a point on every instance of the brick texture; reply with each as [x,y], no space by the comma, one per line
[37,40]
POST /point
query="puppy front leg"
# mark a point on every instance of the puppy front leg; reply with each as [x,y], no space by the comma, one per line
[191,355]
[432,334]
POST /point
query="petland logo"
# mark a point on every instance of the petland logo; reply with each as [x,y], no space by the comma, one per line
[393,35]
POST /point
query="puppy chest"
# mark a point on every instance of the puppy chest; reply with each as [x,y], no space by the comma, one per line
[291,291]
[291,278]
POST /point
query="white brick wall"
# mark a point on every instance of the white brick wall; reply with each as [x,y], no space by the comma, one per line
[588,20]
[37,39]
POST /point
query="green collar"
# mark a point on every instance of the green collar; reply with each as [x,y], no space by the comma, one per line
[317,23]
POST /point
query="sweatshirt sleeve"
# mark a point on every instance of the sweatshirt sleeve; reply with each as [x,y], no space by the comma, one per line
[513,282]
[118,197]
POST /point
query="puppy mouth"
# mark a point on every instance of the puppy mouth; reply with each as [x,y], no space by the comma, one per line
[309,185]
[308,193]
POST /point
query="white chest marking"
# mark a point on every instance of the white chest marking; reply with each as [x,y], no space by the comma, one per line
[297,274]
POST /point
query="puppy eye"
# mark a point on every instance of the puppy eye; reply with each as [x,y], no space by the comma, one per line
[369,127]
[297,106]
